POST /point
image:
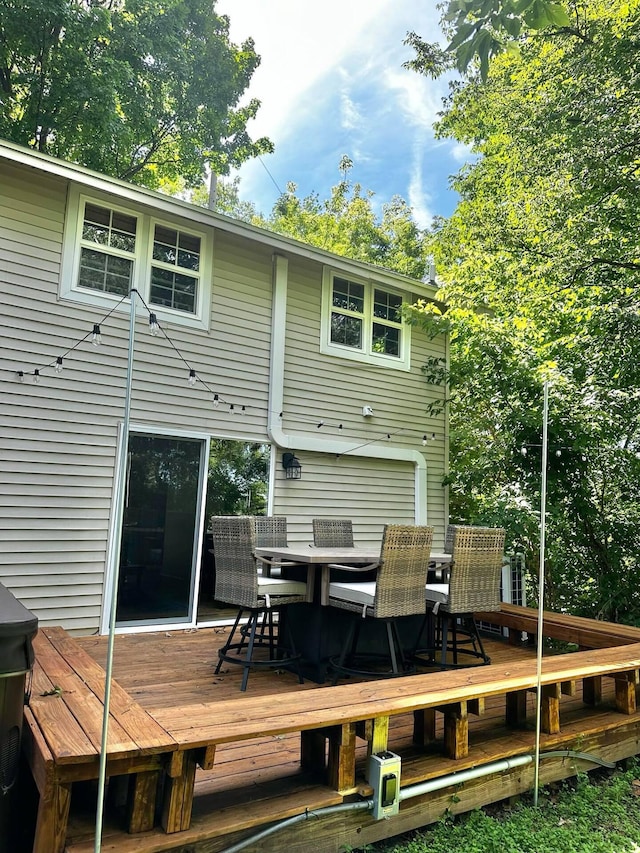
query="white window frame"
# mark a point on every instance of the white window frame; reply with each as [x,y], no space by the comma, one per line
[366,353]
[142,261]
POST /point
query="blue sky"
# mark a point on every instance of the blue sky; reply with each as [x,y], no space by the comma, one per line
[331,83]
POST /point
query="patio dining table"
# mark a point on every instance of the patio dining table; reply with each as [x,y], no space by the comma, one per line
[312,557]
[318,629]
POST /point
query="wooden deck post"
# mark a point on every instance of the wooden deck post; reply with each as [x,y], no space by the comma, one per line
[424,726]
[142,801]
[178,795]
[626,692]
[550,709]
[592,690]
[313,747]
[516,708]
[456,730]
[341,767]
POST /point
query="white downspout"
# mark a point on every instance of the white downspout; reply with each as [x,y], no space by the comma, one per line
[310,442]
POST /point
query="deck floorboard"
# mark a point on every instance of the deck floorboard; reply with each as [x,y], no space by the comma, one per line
[256,780]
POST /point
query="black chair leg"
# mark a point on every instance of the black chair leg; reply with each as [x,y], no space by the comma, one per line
[225,648]
[444,639]
[477,639]
[253,620]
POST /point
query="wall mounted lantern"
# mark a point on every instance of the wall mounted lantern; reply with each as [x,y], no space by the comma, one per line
[292,466]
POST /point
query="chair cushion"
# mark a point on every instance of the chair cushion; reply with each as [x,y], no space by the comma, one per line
[437,593]
[280,586]
[357,593]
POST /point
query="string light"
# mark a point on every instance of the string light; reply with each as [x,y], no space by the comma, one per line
[96,339]
[321,424]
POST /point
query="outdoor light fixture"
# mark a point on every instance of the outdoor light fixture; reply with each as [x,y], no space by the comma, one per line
[292,466]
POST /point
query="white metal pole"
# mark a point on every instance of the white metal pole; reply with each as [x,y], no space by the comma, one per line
[118,516]
[543,518]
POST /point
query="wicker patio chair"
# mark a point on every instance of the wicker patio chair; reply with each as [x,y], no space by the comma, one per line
[271,532]
[332,532]
[239,582]
[397,591]
[473,585]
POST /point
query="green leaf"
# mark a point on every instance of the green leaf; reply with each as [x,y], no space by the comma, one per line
[513,26]
[558,15]
[461,35]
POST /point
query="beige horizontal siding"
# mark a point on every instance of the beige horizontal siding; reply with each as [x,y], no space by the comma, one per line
[324,388]
[57,452]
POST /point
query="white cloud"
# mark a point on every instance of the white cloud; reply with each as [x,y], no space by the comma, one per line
[331,82]
[298,42]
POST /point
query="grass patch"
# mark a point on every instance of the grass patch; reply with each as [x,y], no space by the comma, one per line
[595,813]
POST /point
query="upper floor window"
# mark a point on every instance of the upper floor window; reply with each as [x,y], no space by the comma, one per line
[109,250]
[363,321]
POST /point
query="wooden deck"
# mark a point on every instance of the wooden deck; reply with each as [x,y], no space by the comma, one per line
[207,765]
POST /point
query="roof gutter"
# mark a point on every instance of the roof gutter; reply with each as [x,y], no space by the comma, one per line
[298,441]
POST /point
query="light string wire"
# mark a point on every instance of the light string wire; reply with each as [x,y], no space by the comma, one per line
[321,423]
[427,435]
[188,365]
[72,348]
[37,371]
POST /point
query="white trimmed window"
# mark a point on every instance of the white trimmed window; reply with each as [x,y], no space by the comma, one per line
[109,250]
[362,320]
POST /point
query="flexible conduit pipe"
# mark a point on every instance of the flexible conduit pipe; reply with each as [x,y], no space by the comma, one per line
[299,818]
[419,789]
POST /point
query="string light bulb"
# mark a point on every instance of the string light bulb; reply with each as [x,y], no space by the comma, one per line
[154,328]
[36,376]
[192,376]
[231,407]
[424,440]
[58,367]
[21,375]
[216,401]
[96,337]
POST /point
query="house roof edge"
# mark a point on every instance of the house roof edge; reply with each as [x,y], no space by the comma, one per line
[95,180]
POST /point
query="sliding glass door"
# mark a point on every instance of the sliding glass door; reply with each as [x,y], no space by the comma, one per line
[160,530]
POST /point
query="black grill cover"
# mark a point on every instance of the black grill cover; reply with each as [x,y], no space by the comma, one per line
[18,627]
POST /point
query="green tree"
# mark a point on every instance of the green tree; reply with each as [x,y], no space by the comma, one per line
[539,265]
[237,478]
[481,29]
[347,224]
[144,90]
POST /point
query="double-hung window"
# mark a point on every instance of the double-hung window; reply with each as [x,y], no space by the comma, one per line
[362,320]
[110,249]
